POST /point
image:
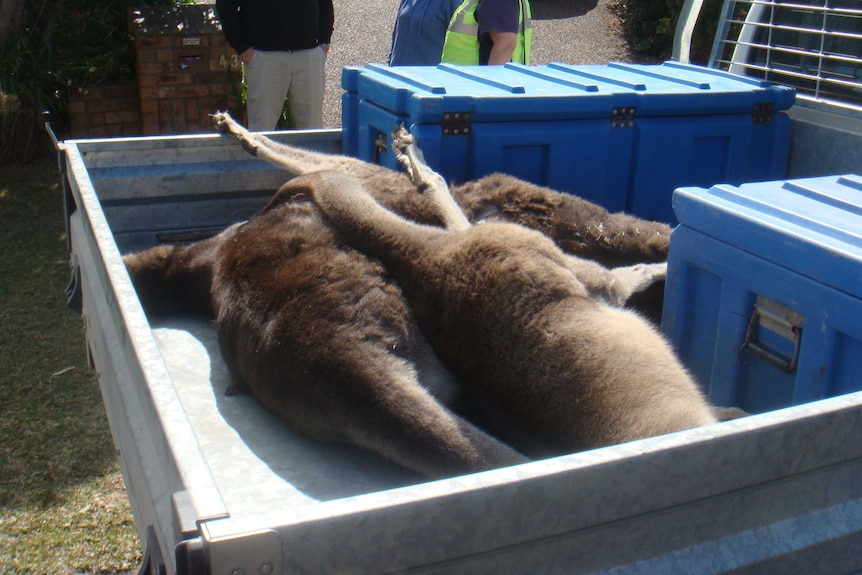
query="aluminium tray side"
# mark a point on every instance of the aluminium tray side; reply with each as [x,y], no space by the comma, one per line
[157,449]
[737,497]
[151,187]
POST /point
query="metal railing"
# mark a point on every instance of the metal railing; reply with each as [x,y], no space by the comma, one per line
[812,45]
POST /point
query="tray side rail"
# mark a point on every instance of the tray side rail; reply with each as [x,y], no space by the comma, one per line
[157,448]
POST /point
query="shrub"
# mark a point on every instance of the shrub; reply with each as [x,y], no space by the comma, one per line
[58,45]
[650,26]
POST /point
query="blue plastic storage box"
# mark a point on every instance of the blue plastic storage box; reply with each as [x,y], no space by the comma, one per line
[763,298]
[621,135]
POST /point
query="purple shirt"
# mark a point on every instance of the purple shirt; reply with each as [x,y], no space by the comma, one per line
[498,16]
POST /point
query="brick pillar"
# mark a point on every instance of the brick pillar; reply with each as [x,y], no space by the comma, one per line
[103,111]
[185,69]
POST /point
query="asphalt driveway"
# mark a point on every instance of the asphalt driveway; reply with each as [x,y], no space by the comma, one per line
[570,31]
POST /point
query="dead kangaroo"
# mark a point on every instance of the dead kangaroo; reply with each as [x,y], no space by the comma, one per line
[577,226]
[553,370]
[321,336]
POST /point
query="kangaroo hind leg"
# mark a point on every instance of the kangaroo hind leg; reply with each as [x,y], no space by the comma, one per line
[380,404]
[295,160]
[428,181]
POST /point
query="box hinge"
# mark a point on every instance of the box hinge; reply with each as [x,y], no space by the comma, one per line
[623,117]
[456,123]
[762,112]
[781,321]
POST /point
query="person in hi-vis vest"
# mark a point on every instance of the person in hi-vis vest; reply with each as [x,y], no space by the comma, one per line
[489,32]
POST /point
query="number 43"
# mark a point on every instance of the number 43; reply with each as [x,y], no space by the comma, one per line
[232,62]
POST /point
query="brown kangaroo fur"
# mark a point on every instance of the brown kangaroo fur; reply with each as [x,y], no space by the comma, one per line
[552,369]
[320,336]
[578,227]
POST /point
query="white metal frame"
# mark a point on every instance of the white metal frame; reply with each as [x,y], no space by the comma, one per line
[748,42]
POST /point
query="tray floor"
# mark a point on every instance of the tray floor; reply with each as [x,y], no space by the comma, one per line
[258,462]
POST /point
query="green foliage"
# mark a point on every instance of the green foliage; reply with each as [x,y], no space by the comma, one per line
[60,44]
[650,26]
[27,86]
[90,44]
[285,121]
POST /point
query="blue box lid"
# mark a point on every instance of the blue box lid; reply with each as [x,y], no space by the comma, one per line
[812,226]
[555,91]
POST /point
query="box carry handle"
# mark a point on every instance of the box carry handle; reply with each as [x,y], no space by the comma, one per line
[780,320]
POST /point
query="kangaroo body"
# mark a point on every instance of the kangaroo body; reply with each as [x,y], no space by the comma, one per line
[324,336]
[507,313]
[321,336]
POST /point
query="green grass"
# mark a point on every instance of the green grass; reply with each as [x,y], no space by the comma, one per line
[63,506]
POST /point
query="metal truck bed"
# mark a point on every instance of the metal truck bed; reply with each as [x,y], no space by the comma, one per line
[218,485]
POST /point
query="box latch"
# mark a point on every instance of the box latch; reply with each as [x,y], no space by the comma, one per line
[381,146]
[456,123]
[762,112]
[780,320]
[623,117]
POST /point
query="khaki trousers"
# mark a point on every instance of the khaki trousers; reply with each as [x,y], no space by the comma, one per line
[273,76]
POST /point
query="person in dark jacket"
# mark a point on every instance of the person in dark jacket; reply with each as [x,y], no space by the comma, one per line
[282,45]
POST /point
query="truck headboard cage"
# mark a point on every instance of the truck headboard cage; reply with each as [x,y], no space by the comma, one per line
[812,45]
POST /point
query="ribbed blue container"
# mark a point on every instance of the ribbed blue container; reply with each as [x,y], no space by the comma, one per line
[763,300]
[622,135]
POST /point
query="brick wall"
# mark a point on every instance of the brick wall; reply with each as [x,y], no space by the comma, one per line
[185,69]
[104,111]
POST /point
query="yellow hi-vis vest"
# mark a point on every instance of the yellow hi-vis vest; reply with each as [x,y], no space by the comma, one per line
[462,37]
